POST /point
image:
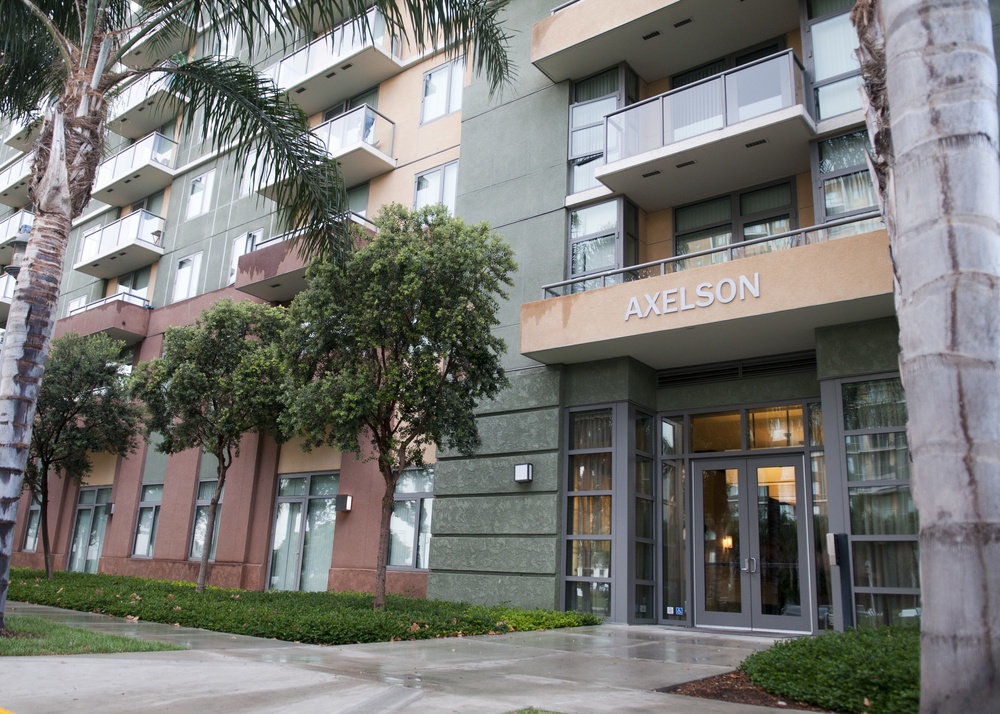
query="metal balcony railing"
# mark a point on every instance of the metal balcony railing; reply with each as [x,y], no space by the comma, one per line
[139,226]
[137,92]
[19,224]
[738,95]
[123,297]
[16,171]
[853,225]
[363,124]
[357,218]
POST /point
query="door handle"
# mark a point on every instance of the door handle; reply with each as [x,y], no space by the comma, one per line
[753,565]
[746,565]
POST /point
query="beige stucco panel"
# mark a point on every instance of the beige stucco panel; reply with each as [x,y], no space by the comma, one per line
[293,460]
[102,471]
[824,273]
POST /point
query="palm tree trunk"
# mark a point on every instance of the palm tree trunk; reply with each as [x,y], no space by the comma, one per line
[944,184]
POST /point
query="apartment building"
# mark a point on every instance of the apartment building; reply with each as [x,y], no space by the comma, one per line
[705,426]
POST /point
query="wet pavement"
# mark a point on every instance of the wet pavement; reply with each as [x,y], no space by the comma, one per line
[609,668]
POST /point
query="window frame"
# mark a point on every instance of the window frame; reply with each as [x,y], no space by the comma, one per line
[208,177]
[808,48]
[192,284]
[620,233]
[33,516]
[249,242]
[417,554]
[449,69]
[443,170]
[200,503]
[146,504]
[819,185]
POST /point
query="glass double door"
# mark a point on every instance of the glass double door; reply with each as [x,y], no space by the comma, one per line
[750,548]
[88,529]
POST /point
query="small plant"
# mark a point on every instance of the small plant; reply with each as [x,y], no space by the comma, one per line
[318,618]
[876,671]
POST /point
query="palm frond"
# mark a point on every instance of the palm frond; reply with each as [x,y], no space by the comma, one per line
[31,66]
[270,136]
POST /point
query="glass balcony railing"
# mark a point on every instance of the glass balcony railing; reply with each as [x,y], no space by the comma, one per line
[749,91]
[155,148]
[853,225]
[357,218]
[363,124]
[138,92]
[330,49]
[122,297]
[140,226]
[7,283]
[16,225]
[16,172]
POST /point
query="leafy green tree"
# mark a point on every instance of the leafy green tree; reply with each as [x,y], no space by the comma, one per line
[394,345]
[61,62]
[216,381]
[83,407]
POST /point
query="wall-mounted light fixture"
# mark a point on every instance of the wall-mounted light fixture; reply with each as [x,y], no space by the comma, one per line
[344,502]
[522,473]
[18,244]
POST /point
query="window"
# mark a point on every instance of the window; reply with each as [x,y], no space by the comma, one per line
[200,194]
[247,181]
[836,73]
[135,283]
[188,270]
[88,529]
[588,514]
[241,246]
[602,237]
[593,99]
[31,526]
[443,90]
[410,527]
[883,518]
[206,489]
[727,220]
[145,525]
[845,184]
[438,185]
[369,97]
[76,304]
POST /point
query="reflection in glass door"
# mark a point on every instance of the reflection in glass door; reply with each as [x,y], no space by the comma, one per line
[88,529]
[304,520]
[750,544]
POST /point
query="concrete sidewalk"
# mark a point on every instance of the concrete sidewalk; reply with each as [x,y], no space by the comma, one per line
[609,668]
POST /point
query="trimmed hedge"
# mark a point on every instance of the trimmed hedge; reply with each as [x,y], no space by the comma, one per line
[316,618]
[871,670]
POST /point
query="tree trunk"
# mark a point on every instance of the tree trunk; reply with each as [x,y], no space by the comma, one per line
[388,502]
[66,158]
[944,184]
[206,549]
[43,519]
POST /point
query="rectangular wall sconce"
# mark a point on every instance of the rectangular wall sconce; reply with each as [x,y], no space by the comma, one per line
[344,502]
[522,473]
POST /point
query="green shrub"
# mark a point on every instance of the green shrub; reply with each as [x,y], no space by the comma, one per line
[840,671]
[319,618]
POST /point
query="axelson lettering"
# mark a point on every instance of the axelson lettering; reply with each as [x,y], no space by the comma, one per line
[664,302]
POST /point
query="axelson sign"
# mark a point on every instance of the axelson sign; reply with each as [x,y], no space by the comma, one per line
[665,302]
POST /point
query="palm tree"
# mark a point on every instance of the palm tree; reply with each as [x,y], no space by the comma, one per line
[61,59]
[931,80]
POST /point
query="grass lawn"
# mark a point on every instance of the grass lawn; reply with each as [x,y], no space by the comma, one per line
[36,636]
[876,671]
[317,618]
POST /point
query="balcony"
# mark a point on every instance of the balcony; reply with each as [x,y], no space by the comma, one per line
[735,129]
[175,36]
[338,65]
[6,295]
[21,134]
[123,317]
[275,271]
[749,299]
[137,171]
[128,244]
[360,141]
[143,106]
[14,182]
[12,227]
[656,38]
[313,23]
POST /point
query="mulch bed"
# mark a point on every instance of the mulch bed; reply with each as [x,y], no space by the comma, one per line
[736,687]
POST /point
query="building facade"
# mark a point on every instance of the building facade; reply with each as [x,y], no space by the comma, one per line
[705,425]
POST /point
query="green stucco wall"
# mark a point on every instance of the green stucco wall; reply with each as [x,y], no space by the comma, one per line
[857,348]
